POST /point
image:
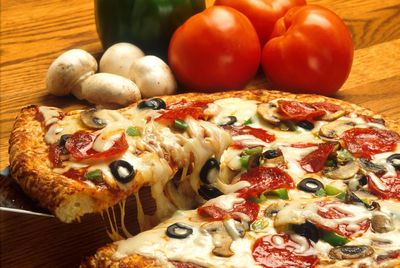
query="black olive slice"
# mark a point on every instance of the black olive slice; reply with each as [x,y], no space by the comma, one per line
[63,139]
[208,166]
[307,125]
[310,185]
[307,230]
[394,160]
[363,180]
[209,192]
[154,104]
[179,230]
[270,154]
[122,171]
[228,120]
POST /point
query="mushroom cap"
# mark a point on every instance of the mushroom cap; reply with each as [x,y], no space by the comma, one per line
[153,77]
[110,90]
[67,72]
[118,59]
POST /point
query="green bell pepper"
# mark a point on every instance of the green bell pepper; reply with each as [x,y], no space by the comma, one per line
[333,238]
[148,24]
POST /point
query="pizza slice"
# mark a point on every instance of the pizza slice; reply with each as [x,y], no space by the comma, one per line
[85,161]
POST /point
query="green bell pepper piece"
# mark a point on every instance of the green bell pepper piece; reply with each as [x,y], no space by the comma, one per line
[148,24]
[280,193]
[333,238]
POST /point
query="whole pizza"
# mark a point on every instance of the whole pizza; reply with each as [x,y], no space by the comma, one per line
[240,179]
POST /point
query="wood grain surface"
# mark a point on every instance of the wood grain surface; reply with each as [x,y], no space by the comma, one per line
[35,32]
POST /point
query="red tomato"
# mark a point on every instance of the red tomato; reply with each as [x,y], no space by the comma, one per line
[80,145]
[262,13]
[364,142]
[216,49]
[315,161]
[263,179]
[310,51]
[268,253]
[215,213]
[387,187]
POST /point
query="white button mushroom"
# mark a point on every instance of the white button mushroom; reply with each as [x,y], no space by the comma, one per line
[118,59]
[153,77]
[68,70]
[109,90]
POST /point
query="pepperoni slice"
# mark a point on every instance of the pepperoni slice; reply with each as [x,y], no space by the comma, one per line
[390,185]
[76,174]
[364,142]
[315,161]
[264,179]
[298,111]
[326,106]
[279,251]
[55,152]
[183,109]
[216,213]
[328,211]
[247,130]
[185,104]
[79,145]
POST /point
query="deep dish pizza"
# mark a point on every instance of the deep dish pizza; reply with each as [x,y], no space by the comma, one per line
[252,178]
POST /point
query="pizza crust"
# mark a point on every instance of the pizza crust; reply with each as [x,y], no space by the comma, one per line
[69,199]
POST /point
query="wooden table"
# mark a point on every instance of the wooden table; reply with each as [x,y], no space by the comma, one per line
[35,32]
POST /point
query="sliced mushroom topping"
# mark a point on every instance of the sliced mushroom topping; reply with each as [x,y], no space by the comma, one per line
[234,228]
[381,223]
[394,160]
[221,238]
[274,208]
[269,111]
[344,172]
[333,116]
[368,166]
[334,129]
[254,160]
[91,119]
[350,252]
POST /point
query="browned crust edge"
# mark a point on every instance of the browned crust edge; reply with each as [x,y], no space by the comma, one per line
[69,199]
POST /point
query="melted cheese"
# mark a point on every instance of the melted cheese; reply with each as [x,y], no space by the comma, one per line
[241,109]
[292,157]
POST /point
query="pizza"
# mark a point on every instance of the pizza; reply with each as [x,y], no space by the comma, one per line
[239,179]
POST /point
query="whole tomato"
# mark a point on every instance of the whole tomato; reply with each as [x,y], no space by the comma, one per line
[214,50]
[310,51]
[262,13]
